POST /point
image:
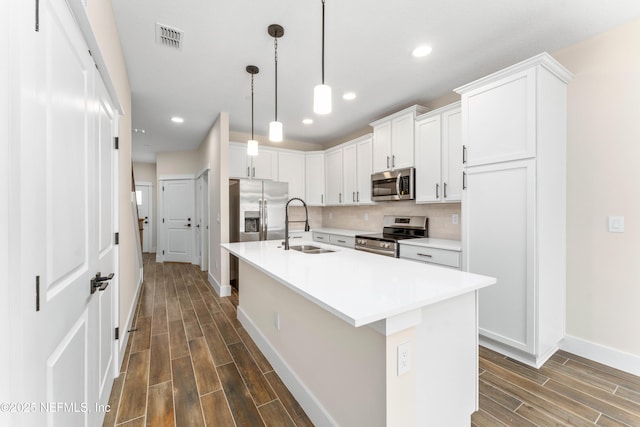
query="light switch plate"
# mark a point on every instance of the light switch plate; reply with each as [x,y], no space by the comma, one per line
[616,224]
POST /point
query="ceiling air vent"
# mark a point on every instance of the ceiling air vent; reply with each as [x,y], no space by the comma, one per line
[168,36]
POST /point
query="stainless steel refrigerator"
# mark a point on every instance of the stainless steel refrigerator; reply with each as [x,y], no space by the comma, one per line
[256,212]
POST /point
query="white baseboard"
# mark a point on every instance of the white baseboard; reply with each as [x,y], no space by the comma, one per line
[312,407]
[124,335]
[222,291]
[602,354]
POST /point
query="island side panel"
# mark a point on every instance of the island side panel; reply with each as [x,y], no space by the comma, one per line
[447,375]
[336,371]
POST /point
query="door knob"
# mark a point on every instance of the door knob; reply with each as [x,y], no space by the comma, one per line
[99,283]
[187,225]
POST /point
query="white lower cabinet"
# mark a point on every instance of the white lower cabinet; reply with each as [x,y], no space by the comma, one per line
[335,239]
[444,257]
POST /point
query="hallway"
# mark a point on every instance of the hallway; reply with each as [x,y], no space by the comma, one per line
[189,362]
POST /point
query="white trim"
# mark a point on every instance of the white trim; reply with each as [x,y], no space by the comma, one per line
[203,171]
[146,183]
[612,357]
[222,291]
[312,407]
[171,177]
[124,335]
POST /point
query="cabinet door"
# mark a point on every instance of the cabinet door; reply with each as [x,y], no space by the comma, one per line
[349,174]
[498,227]
[402,141]
[428,155]
[239,165]
[333,174]
[291,170]
[314,179]
[499,120]
[382,147]
[364,171]
[265,165]
[451,156]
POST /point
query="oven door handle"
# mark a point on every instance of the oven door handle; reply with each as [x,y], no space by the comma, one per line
[376,251]
[398,186]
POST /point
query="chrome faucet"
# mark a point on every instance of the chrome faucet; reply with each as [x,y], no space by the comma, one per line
[286,220]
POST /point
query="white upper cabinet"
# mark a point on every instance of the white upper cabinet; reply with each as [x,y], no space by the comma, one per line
[262,166]
[314,178]
[439,155]
[348,172]
[333,177]
[291,169]
[364,170]
[501,120]
[393,139]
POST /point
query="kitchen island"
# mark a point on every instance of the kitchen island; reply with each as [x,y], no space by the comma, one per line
[362,339]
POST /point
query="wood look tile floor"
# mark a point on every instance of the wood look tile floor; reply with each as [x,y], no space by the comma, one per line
[189,362]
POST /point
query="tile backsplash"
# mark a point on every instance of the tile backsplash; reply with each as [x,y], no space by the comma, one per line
[353,217]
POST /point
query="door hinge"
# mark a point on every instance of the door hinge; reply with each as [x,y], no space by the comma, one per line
[163,188]
[163,220]
[116,139]
[163,252]
[117,238]
[37,15]
[117,333]
[37,293]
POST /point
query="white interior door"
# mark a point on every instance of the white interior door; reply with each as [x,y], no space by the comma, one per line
[105,310]
[143,196]
[178,215]
[66,197]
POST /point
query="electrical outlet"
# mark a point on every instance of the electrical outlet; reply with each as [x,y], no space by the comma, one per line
[330,215]
[366,216]
[455,219]
[404,358]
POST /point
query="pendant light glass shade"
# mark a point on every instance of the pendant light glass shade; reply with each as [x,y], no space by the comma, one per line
[252,147]
[322,99]
[275,131]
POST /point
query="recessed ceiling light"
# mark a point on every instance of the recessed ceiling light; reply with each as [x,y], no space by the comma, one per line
[421,51]
[177,119]
[307,121]
[349,96]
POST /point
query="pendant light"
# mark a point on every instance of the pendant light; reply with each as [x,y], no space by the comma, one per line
[252,144]
[275,127]
[322,92]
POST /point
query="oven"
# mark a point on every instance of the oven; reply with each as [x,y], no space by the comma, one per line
[395,229]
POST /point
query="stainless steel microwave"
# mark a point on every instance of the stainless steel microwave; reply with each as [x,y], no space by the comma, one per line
[397,184]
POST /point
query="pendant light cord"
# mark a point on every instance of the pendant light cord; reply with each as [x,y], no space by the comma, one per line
[322,41]
[275,44]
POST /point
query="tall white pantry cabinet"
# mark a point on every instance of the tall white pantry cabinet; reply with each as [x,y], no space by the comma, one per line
[514,204]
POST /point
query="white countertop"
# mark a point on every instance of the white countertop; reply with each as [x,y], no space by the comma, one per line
[342,231]
[358,287]
[427,242]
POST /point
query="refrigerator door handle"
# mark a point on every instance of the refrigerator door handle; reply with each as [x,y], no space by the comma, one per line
[260,220]
[265,219]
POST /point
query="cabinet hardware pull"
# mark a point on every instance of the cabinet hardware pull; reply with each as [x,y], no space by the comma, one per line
[444,190]
[426,255]
[322,199]
[464,154]
[353,197]
[357,196]
[393,161]
[464,180]
[254,172]
[437,190]
[387,162]
[341,241]
[339,197]
[248,172]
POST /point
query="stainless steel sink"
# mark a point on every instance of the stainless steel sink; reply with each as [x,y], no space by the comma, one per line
[310,249]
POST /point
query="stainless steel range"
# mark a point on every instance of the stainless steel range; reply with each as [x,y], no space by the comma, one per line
[395,228]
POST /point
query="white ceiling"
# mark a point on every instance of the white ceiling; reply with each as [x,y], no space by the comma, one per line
[368,51]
